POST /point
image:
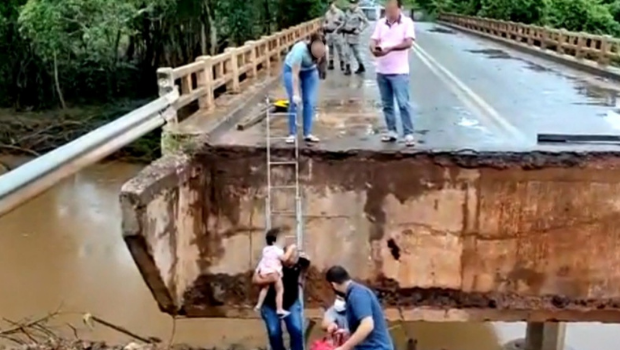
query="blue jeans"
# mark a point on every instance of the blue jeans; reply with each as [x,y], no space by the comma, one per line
[309,81]
[395,86]
[294,326]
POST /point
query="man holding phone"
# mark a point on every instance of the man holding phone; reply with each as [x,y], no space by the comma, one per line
[390,43]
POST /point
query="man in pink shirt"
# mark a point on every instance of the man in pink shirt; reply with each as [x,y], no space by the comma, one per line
[390,43]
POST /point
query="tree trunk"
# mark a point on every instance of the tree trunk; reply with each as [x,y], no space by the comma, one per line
[57,83]
[203,39]
[212,31]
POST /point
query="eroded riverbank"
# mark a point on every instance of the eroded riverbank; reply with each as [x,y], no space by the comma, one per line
[30,133]
[65,249]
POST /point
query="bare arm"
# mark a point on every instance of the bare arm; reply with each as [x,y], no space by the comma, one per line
[288,253]
[296,69]
[363,330]
[327,321]
[373,44]
[408,41]
[360,307]
[374,38]
[405,45]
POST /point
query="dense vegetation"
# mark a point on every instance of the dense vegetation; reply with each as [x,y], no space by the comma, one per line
[69,66]
[593,16]
[55,53]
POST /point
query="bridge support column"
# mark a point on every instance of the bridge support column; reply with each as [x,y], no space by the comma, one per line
[545,336]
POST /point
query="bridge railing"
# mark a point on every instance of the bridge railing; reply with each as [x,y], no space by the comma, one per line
[603,49]
[198,81]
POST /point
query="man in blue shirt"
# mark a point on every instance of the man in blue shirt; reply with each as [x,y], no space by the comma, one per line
[369,330]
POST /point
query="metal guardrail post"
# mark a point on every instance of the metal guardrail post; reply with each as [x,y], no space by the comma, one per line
[35,177]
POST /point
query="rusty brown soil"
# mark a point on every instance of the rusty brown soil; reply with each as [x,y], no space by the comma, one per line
[465,158]
[237,290]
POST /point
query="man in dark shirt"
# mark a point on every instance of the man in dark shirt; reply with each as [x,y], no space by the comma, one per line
[291,277]
[369,330]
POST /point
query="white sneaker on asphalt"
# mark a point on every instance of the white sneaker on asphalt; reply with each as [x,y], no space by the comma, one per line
[390,136]
[311,138]
[290,139]
[409,140]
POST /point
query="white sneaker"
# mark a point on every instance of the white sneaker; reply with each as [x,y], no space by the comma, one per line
[290,139]
[390,136]
[311,138]
[409,140]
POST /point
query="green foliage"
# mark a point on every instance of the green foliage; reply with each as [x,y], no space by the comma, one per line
[583,15]
[593,16]
[98,51]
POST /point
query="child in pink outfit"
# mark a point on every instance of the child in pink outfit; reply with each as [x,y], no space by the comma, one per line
[270,266]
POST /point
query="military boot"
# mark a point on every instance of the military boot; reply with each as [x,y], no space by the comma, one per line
[342,66]
[347,70]
[360,69]
[331,65]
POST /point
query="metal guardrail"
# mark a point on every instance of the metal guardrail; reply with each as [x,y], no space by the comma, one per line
[35,177]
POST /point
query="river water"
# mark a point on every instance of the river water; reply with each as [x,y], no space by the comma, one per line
[64,249]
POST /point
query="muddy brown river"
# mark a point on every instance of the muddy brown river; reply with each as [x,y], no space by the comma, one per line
[64,250]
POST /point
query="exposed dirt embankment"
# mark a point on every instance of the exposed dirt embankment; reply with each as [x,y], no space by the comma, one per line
[36,133]
[465,158]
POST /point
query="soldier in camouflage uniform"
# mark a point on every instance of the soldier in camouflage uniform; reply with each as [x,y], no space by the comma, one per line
[355,23]
[332,23]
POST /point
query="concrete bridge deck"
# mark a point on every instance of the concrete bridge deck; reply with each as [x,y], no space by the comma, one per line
[468,93]
[477,222]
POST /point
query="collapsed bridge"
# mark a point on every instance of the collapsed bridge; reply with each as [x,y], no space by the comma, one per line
[478,222]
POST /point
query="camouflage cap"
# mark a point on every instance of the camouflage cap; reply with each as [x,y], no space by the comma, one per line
[353,1]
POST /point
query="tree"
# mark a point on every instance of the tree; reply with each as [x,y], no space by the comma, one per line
[99,51]
[594,16]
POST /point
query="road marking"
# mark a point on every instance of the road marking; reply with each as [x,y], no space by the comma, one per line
[468,96]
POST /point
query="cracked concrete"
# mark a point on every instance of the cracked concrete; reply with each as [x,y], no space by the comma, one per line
[469,238]
[469,225]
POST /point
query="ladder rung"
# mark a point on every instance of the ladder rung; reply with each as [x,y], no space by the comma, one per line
[290,187]
[278,138]
[284,213]
[282,163]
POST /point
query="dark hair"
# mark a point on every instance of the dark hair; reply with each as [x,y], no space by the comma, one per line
[272,235]
[398,2]
[317,36]
[337,274]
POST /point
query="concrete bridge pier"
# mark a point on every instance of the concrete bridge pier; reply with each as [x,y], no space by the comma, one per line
[545,335]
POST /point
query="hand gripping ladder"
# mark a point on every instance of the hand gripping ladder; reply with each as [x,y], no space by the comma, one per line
[293,162]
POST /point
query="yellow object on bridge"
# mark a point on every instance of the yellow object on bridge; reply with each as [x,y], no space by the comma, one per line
[281,105]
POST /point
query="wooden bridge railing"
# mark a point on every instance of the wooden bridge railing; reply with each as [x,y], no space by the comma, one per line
[199,80]
[603,49]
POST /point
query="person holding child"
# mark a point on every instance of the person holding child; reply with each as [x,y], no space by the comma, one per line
[293,270]
[270,268]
